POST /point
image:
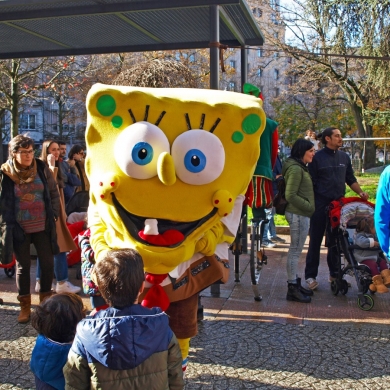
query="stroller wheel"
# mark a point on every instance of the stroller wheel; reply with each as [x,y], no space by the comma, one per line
[344,287]
[10,271]
[334,287]
[367,303]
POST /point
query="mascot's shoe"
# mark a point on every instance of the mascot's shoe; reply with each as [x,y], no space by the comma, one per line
[386,277]
[377,281]
[25,308]
[303,290]
[294,294]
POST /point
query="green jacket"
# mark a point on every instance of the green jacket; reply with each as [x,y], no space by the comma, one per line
[299,188]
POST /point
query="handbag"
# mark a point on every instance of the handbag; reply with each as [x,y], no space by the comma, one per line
[279,202]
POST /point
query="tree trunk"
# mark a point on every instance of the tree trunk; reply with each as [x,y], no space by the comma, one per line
[14,101]
[364,131]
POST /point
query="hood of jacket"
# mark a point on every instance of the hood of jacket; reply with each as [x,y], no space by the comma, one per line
[122,339]
[47,360]
[290,162]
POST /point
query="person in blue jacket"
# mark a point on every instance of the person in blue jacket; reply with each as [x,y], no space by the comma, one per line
[382,212]
[55,319]
[126,346]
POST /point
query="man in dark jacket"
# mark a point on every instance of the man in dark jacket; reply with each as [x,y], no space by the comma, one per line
[330,170]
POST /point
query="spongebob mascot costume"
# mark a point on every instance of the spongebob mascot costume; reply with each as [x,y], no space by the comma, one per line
[168,170]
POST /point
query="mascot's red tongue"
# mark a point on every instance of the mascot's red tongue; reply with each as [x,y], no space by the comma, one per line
[168,238]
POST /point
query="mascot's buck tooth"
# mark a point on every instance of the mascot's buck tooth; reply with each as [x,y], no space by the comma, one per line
[168,169]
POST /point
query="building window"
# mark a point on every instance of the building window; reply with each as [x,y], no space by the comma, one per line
[260,53]
[232,86]
[276,35]
[259,72]
[276,74]
[257,12]
[276,54]
[277,92]
[233,64]
[274,20]
[248,67]
[27,121]
[289,60]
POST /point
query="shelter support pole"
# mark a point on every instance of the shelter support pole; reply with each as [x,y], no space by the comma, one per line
[214,46]
[244,79]
[214,79]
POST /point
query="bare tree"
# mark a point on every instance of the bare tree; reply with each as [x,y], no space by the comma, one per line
[328,38]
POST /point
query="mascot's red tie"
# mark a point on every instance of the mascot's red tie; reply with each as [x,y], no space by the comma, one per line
[156,296]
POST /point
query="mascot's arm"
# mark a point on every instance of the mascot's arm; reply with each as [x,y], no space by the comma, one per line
[210,240]
[98,228]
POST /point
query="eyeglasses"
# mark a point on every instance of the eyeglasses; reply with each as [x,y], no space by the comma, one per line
[25,152]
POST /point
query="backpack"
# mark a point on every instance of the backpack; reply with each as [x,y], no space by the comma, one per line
[279,201]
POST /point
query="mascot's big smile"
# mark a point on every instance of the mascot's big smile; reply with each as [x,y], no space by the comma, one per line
[158,232]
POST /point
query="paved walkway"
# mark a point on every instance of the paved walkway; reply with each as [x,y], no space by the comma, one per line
[243,344]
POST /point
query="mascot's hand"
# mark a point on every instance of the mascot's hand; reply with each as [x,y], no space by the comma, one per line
[209,241]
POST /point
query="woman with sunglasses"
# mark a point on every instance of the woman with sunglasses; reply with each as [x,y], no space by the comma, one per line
[50,155]
[29,209]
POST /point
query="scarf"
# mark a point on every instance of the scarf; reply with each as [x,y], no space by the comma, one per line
[18,174]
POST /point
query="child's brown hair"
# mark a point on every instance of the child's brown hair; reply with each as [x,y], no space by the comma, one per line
[365,225]
[57,317]
[120,275]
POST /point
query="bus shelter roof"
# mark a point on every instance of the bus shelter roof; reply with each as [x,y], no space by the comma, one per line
[40,28]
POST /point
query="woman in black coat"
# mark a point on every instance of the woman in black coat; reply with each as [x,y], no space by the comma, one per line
[29,208]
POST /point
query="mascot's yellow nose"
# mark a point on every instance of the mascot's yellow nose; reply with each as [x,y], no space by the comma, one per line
[166,169]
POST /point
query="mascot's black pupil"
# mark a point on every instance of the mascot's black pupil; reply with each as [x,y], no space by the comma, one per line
[142,154]
[195,161]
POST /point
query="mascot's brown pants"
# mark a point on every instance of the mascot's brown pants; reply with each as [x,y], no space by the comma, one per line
[183,317]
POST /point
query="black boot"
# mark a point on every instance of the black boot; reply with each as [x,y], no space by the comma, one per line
[303,290]
[294,294]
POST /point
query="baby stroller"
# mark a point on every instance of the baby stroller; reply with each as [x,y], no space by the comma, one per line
[343,217]
[78,203]
[9,269]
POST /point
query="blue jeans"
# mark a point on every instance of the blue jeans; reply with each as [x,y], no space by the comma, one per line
[60,267]
[299,229]
[270,226]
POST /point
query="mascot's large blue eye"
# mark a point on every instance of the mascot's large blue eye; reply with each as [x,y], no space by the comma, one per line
[195,160]
[142,153]
[138,148]
[199,157]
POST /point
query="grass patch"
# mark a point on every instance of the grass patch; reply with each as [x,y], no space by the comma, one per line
[368,182]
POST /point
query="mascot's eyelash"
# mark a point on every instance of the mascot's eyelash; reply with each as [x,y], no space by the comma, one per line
[146,115]
[213,127]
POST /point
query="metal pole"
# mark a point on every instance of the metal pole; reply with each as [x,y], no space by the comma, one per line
[384,155]
[214,46]
[214,79]
[244,79]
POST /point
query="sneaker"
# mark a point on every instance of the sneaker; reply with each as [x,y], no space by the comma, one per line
[278,239]
[312,283]
[67,287]
[268,244]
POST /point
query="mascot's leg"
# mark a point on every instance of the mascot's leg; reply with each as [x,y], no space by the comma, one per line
[183,321]
[184,347]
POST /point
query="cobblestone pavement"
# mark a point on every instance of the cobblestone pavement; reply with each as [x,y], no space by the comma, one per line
[243,344]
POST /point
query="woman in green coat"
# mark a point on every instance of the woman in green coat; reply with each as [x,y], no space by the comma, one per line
[300,197]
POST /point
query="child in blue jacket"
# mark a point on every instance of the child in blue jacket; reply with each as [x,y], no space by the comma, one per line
[55,319]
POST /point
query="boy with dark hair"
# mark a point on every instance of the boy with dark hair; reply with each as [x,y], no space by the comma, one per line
[126,346]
